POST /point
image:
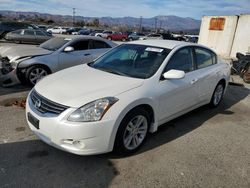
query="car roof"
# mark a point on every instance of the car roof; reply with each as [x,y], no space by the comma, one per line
[169,44]
[88,37]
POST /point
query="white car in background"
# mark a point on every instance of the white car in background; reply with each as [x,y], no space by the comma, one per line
[56,30]
[104,34]
[153,36]
[115,101]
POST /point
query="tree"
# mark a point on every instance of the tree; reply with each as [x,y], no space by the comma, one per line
[50,22]
[96,22]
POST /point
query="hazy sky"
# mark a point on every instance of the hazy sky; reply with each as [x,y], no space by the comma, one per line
[136,8]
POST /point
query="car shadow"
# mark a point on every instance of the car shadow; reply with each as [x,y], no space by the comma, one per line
[35,164]
[13,89]
[194,119]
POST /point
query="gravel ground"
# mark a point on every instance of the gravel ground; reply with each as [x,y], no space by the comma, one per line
[204,148]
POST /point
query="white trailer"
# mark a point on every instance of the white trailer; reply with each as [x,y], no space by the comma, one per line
[226,35]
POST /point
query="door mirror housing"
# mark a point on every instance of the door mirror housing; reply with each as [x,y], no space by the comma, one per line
[174,74]
[68,49]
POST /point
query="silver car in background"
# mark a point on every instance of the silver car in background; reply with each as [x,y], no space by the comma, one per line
[36,36]
[28,64]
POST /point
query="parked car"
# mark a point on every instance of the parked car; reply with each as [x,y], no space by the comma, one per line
[72,31]
[31,63]
[96,31]
[28,36]
[43,27]
[193,39]
[115,101]
[57,30]
[135,36]
[6,27]
[84,31]
[104,34]
[117,36]
[153,36]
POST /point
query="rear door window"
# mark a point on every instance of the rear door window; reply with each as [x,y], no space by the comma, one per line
[28,32]
[204,58]
[96,44]
[39,33]
[81,45]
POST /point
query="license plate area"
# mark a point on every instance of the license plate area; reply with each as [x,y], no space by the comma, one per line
[33,120]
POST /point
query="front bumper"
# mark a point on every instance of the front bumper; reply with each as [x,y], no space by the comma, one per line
[8,79]
[81,138]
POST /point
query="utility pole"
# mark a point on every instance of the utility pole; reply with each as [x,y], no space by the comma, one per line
[155,24]
[73,17]
[140,25]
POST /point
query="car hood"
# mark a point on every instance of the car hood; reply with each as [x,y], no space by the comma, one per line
[17,52]
[82,84]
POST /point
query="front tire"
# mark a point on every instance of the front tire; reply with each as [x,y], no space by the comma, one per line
[132,132]
[35,74]
[217,95]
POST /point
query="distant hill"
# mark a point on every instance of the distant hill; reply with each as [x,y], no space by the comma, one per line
[166,22]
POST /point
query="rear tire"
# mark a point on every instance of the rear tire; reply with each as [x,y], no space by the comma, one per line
[132,132]
[217,95]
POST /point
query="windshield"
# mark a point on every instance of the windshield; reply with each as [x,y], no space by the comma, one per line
[54,43]
[138,61]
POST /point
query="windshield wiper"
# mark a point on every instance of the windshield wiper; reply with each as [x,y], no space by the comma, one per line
[111,71]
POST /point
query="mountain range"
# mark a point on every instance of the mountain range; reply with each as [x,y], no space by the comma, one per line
[169,22]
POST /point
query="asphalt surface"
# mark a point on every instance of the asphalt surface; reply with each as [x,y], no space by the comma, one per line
[204,148]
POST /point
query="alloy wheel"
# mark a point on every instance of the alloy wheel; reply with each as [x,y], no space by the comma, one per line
[218,93]
[37,74]
[135,132]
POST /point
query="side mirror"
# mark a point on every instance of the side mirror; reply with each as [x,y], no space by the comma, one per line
[174,74]
[68,49]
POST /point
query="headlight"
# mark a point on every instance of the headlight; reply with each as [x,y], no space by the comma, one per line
[93,111]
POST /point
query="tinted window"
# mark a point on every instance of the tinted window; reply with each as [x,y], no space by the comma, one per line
[28,32]
[99,44]
[39,33]
[181,60]
[203,58]
[81,45]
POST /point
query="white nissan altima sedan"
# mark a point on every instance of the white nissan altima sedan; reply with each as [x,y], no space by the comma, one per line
[115,101]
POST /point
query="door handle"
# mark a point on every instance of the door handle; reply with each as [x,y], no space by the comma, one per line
[87,54]
[194,81]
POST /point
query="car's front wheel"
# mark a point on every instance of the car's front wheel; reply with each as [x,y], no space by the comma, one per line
[132,132]
[217,95]
[35,73]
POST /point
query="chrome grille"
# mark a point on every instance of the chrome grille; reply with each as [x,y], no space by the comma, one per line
[44,105]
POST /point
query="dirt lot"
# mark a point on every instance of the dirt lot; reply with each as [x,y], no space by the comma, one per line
[204,148]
